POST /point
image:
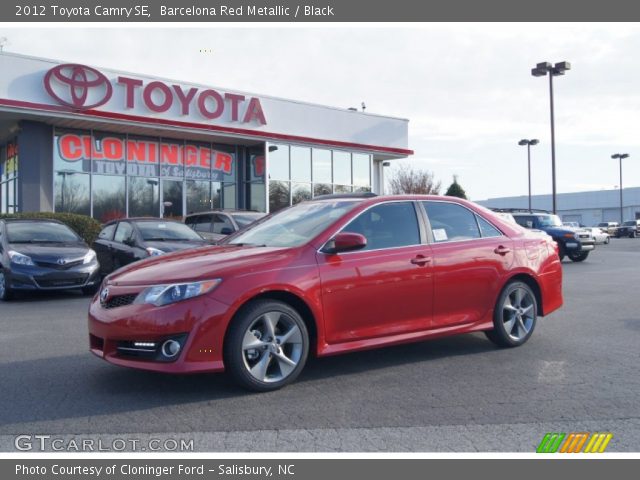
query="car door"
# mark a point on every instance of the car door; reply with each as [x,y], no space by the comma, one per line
[471,258]
[385,288]
[124,251]
[103,248]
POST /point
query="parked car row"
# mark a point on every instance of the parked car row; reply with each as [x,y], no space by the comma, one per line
[48,255]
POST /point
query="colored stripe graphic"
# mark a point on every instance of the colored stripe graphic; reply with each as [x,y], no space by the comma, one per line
[598,443]
[574,441]
[550,443]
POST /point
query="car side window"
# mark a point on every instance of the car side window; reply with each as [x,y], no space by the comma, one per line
[123,232]
[526,222]
[388,225]
[107,232]
[220,222]
[451,222]
[486,229]
[201,223]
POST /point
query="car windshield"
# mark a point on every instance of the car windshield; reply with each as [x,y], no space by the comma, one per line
[244,219]
[40,232]
[294,226]
[549,221]
[166,231]
[630,223]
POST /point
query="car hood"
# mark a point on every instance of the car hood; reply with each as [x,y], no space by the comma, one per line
[50,252]
[199,264]
[175,246]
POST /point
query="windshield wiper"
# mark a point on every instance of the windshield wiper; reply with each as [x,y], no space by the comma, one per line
[35,241]
[246,244]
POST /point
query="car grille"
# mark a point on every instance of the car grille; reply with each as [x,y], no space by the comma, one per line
[56,266]
[63,282]
[119,301]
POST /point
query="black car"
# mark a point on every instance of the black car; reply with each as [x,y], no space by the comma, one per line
[44,255]
[130,239]
[630,228]
[217,224]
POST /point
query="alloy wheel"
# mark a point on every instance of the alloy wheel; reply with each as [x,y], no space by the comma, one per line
[272,347]
[518,313]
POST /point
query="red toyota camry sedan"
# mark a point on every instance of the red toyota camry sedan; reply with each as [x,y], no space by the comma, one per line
[337,274]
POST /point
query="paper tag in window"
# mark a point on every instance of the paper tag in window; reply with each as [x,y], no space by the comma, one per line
[162,225]
[439,234]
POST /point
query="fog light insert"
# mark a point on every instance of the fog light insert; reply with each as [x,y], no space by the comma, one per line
[170,348]
[144,344]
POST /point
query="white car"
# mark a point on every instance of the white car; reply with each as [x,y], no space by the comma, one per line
[598,235]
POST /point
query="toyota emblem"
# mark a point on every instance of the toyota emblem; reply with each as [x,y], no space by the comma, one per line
[104,294]
[61,261]
[78,86]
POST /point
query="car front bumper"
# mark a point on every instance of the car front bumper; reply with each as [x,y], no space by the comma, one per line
[35,278]
[199,324]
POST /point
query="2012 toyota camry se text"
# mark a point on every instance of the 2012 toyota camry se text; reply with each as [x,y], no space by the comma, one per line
[337,274]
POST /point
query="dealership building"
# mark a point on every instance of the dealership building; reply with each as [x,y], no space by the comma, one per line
[105,143]
[587,208]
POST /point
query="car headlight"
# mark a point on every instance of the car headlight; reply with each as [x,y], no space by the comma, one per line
[89,257]
[159,295]
[154,252]
[19,259]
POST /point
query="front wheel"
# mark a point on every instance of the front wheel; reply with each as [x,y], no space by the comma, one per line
[606,241]
[578,256]
[5,292]
[515,316]
[266,346]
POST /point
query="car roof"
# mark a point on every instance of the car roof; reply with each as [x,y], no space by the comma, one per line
[140,219]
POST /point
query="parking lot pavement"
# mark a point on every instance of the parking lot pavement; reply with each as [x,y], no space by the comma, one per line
[579,372]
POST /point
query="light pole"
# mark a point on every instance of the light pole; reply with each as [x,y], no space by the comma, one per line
[540,70]
[620,156]
[528,143]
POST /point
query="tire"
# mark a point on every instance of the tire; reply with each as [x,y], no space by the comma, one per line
[515,316]
[6,293]
[607,240]
[281,342]
[561,252]
[578,256]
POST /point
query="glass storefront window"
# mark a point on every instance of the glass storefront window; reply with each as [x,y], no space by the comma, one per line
[321,160]
[225,164]
[72,150]
[108,153]
[198,196]
[279,162]
[278,195]
[300,164]
[321,189]
[361,170]
[171,161]
[216,195]
[342,189]
[142,156]
[72,192]
[144,197]
[300,192]
[108,192]
[341,167]
[171,199]
[229,197]
[257,201]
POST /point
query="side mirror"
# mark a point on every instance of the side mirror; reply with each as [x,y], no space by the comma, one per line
[130,242]
[345,242]
[226,231]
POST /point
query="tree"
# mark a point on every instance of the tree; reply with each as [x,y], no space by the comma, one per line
[407,180]
[455,190]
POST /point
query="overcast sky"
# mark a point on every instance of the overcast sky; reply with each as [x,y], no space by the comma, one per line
[466,88]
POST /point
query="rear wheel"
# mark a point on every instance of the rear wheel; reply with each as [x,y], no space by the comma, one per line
[266,346]
[5,292]
[515,315]
[578,256]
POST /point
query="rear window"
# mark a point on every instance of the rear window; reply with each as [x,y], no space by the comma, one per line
[163,231]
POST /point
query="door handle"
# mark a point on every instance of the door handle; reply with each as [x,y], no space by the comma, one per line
[502,250]
[420,260]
